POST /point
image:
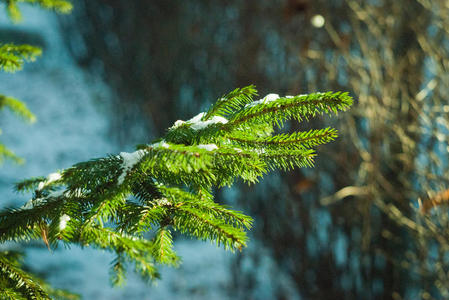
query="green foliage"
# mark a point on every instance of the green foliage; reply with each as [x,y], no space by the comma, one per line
[131,203]
[20,109]
[12,59]
[12,7]
[17,107]
[17,284]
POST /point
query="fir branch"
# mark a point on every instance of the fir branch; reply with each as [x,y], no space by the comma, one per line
[17,107]
[8,293]
[231,102]
[145,189]
[101,173]
[284,161]
[135,219]
[105,209]
[118,270]
[181,198]
[112,203]
[295,140]
[298,108]
[60,6]
[28,185]
[206,227]
[12,57]
[137,250]
[22,281]
[59,293]
[163,247]
[6,153]
[23,224]
[176,164]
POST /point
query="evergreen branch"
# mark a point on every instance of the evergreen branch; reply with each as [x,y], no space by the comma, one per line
[60,6]
[168,184]
[17,107]
[205,227]
[222,212]
[295,140]
[299,107]
[59,293]
[21,280]
[178,157]
[23,224]
[108,239]
[231,102]
[93,176]
[163,247]
[248,164]
[145,189]
[7,293]
[181,198]
[5,153]
[135,218]
[176,164]
[104,209]
[283,161]
[185,135]
[28,185]
[12,57]
[137,250]
[118,270]
[13,10]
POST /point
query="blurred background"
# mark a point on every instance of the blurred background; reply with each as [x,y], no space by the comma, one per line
[368,222]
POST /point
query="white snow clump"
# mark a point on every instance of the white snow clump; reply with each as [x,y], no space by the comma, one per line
[162,144]
[50,178]
[129,160]
[267,99]
[208,147]
[162,202]
[63,222]
[32,203]
[197,124]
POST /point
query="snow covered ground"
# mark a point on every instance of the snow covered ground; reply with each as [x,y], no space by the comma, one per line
[72,126]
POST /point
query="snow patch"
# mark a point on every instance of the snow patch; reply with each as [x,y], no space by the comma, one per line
[129,160]
[75,193]
[208,147]
[162,144]
[53,177]
[267,99]
[50,178]
[36,202]
[260,151]
[28,205]
[40,186]
[178,123]
[32,203]
[162,202]
[63,222]
[197,124]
